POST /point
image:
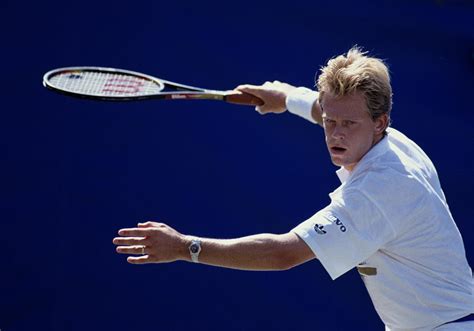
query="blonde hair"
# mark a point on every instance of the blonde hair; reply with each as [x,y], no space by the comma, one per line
[353,72]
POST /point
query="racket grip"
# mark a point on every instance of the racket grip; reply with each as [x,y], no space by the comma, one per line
[242,98]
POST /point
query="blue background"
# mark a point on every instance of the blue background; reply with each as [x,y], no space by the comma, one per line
[73,171]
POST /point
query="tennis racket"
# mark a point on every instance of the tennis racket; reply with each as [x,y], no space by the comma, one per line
[123,85]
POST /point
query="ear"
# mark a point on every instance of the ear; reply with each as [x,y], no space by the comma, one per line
[381,123]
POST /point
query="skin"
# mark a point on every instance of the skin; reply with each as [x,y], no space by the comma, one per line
[349,129]
[350,133]
[274,95]
[164,244]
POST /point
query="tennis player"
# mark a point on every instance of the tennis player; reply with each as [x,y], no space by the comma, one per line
[389,217]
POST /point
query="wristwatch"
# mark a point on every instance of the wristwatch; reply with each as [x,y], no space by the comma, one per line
[195,249]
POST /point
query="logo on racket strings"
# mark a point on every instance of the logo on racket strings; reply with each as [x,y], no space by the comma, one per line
[74,76]
[123,85]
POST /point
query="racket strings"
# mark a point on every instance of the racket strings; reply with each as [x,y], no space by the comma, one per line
[105,84]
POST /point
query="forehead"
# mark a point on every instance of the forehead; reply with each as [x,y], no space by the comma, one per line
[352,106]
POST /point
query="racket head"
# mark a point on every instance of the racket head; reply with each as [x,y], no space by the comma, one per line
[103,83]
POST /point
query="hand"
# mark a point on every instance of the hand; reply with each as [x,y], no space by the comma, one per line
[273,95]
[154,242]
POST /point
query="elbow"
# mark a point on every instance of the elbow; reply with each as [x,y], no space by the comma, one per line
[284,252]
[293,253]
[289,261]
[287,266]
[279,264]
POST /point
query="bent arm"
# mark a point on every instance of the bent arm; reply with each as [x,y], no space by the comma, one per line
[258,252]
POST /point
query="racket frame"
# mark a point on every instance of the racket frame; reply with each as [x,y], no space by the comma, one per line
[182,91]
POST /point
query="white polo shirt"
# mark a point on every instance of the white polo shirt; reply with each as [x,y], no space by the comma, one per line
[390,219]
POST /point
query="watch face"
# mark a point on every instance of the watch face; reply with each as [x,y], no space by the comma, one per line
[194,248]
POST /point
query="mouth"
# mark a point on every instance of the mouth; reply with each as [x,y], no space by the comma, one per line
[337,150]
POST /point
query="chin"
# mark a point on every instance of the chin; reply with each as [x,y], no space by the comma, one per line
[341,163]
[337,162]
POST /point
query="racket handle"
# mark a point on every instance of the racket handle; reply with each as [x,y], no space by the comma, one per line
[242,98]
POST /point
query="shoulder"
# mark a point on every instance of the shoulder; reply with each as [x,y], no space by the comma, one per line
[399,165]
[388,182]
[406,148]
[381,176]
[391,191]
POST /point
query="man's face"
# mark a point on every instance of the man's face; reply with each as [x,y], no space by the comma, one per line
[349,128]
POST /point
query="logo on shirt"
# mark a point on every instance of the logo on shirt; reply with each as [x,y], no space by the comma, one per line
[337,221]
[327,218]
[319,229]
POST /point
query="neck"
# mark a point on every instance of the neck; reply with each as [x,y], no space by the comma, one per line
[376,140]
[350,167]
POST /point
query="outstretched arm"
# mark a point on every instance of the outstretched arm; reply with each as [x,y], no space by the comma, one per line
[159,243]
[275,97]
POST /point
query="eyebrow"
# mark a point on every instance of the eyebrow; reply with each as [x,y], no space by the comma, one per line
[355,119]
[323,115]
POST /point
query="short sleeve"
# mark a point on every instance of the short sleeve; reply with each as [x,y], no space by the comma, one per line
[346,232]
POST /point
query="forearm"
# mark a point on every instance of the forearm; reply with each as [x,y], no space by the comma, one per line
[256,252]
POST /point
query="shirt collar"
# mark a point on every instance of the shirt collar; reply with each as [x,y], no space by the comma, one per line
[381,147]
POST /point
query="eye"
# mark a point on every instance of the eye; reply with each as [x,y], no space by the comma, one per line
[329,121]
[348,123]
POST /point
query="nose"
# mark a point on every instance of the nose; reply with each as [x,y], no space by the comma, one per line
[338,132]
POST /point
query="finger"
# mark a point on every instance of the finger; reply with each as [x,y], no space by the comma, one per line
[263,109]
[251,89]
[246,86]
[259,110]
[148,224]
[135,232]
[130,241]
[143,259]
[134,250]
